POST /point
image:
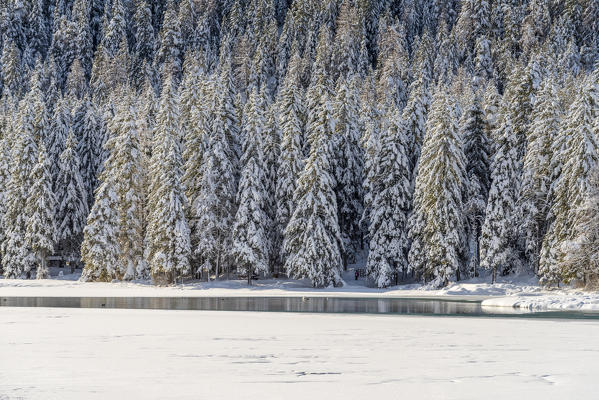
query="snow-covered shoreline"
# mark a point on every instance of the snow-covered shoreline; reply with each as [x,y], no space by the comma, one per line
[520,292]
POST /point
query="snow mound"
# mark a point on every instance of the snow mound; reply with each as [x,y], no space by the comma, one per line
[578,301]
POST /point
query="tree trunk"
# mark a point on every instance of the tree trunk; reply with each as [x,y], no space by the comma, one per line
[217,267]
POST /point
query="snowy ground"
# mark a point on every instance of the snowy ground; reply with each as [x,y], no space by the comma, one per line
[522,292]
[125,354]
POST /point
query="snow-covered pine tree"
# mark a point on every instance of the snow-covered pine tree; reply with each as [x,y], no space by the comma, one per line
[388,230]
[271,143]
[290,104]
[537,174]
[312,238]
[348,166]
[370,126]
[197,103]
[100,249]
[4,188]
[215,206]
[477,152]
[71,212]
[168,232]
[582,253]
[498,247]
[251,245]
[24,157]
[127,168]
[169,244]
[437,223]
[571,188]
[40,234]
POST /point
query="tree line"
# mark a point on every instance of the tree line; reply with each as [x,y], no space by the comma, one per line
[155,139]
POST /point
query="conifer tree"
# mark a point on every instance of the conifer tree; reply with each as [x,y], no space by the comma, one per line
[168,232]
[4,190]
[476,150]
[72,202]
[437,222]
[537,173]
[40,233]
[498,249]
[215,205]
[388,230]
[197,102]
[250,242]
[271,143]
[312,238]
[126,168]
[572,185]
[100,249]
[290,104]
[348,166]
[169,244]
[24,156]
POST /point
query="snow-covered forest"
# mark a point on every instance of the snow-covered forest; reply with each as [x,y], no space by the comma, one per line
[159,139]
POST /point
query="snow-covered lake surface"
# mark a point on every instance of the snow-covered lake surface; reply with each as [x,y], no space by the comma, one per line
[128,354]
[513,292]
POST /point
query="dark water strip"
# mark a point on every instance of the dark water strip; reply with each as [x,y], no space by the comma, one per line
[400,306]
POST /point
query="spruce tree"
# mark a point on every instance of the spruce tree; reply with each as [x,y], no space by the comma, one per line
[250,241]
[72,203]
[40,233]
[348,166]
[168,232]
[100,249]
[312,238]
[24,157]
[388,230]
[290,104]
[498,247]
[169,244]
[572,185]
[216,206]
[537,172]
[477,149]
[437,222]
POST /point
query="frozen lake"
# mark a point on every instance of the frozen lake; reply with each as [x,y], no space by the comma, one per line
[53,353]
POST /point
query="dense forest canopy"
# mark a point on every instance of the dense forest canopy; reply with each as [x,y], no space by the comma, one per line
[156,139]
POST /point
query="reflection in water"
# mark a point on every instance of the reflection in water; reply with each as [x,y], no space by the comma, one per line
[291,304]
